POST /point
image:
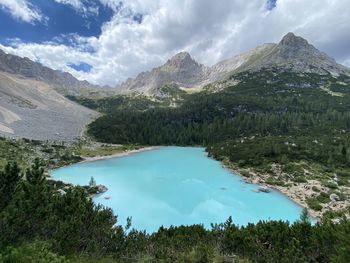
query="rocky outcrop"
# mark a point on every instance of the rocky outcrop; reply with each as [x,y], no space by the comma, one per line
[63,187]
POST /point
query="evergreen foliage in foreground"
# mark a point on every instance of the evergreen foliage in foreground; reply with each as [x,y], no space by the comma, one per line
[40,224]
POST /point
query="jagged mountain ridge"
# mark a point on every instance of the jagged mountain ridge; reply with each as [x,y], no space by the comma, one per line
[62,82]
[292,53]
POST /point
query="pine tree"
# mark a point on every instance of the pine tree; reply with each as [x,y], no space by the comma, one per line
[343,151]
[92,182]
[35,175]
[304,216]
[9,179]
[35,190]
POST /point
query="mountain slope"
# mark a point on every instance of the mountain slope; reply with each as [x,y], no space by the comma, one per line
[32,109]
[292,53]
[221,69]
[32,104]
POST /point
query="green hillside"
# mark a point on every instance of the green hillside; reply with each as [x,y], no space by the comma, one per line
[297,122]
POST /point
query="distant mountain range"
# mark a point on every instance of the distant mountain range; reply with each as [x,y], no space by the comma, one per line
[33,102]
[292,53]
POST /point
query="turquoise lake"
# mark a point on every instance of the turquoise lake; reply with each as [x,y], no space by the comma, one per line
[177,186]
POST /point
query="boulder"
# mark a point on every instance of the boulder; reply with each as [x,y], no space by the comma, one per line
[264,189]
[334,197]
[61,191]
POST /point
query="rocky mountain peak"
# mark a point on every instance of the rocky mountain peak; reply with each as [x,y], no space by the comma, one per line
[183,55]
[297,48]
[181,60]
[293,41]
[180,70]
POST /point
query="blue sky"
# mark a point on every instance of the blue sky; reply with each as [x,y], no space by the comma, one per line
[108,41]
[271,4]
[62,20]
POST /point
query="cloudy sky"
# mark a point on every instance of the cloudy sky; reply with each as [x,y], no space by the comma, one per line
[107,41]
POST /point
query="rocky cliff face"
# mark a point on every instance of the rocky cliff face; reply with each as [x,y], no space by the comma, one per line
[292,53]
[62,82]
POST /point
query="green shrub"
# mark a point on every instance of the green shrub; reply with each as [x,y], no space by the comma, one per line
[314,204]
[323,197]
[300,179]
[330,185]
[315,189]
[37,252]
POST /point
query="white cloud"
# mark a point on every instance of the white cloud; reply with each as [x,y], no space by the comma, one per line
[113,4]
[53,56]
[23,10]
[76,4]
[80,6]
[208,30]
[346,62]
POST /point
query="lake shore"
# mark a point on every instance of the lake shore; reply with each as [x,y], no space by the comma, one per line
[297,192]
[289,192]
[116,155]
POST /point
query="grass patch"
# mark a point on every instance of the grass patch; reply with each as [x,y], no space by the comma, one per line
[105,150]
[245,174]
